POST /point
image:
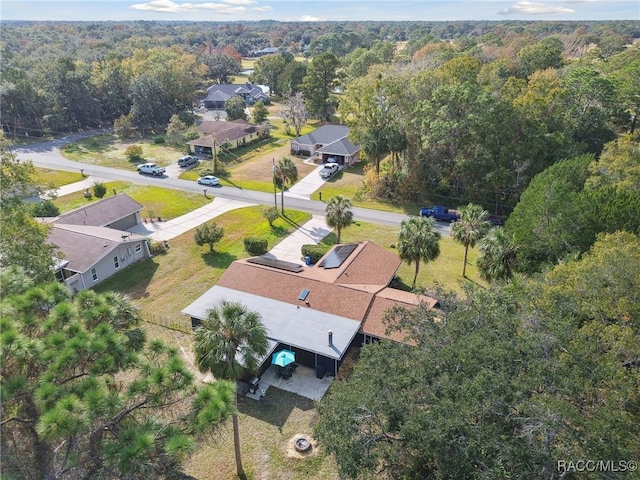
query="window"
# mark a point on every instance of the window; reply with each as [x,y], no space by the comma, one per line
[138,248]
[116,263]
[94,274]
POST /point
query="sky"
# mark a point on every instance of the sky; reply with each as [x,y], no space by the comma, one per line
[319,10]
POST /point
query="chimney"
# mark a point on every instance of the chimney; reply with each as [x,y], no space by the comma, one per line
[330,338]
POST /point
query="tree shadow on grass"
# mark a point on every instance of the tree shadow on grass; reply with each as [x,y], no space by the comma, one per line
[288,220]
[278,407]
[218,259]
[132,280]
[279,231]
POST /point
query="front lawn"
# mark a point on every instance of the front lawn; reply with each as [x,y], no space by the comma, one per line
[108,151]
[254,169]
[157,201]
[57,178]
[167,283]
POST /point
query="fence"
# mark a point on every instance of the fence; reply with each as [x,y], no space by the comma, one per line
[180,324]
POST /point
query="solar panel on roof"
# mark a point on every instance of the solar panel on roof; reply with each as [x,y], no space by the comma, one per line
[275,263]
[338,255]
[303,294]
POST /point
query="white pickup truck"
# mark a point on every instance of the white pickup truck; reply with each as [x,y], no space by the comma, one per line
[150,168]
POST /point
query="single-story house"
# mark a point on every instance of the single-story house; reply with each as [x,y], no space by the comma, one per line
[319,312]
[231,135]
[264,51]
[94,242]
[217,95]
[328,141]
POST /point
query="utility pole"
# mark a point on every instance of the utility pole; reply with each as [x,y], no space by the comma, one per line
[215,157]
[273,172]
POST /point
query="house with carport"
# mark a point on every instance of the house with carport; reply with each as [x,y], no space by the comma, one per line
[327,142]
[94,241]
[320,311]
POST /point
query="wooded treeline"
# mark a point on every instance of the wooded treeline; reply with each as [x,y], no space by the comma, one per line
[468,111]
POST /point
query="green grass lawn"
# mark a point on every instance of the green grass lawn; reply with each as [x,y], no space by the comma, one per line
[57,178]
[158,202]
[167,283]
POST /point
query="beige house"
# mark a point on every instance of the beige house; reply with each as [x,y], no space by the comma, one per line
[221,134]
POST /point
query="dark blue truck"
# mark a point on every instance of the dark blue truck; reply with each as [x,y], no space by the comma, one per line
[441,214]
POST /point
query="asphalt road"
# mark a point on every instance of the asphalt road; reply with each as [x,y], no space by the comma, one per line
[48,155]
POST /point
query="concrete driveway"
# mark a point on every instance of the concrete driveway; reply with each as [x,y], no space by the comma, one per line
[311,232]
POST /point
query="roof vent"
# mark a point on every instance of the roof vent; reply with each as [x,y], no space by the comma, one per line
[330,338]
[303,294]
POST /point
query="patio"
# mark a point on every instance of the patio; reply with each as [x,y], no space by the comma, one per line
[303,382]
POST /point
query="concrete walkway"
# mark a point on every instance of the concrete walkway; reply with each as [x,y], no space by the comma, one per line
[179,225]
[79,186]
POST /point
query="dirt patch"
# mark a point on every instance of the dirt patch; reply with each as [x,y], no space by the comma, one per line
[293,452]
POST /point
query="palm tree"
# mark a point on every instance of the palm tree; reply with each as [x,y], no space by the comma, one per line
[418,241]
[339,214]
[497,257]
[230,334]
[287,173]
[470,228]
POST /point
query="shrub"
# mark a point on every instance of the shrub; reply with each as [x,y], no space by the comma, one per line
[45,208]
[316,252]
[271,214]
[158,139]
[158,247]
[99,189]
[255,245]
[208,234]
[134,153]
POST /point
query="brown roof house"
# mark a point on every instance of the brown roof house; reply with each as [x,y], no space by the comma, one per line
[227,135]
[327,142]
[94,241]
[318,312]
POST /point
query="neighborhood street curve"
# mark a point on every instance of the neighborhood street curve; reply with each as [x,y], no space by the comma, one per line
[48,155]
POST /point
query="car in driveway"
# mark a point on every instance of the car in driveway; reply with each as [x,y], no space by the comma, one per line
[329,169]
[187,160]
[209,180]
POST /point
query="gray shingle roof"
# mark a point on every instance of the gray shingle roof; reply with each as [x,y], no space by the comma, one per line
[325,135]
[341,147]
[225,91]
[84,246]
[101,213]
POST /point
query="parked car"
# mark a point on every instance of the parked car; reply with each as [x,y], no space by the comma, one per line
[209,180]
[150,168]
[187,160]
[495,220]
[329,169]
[441,214]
